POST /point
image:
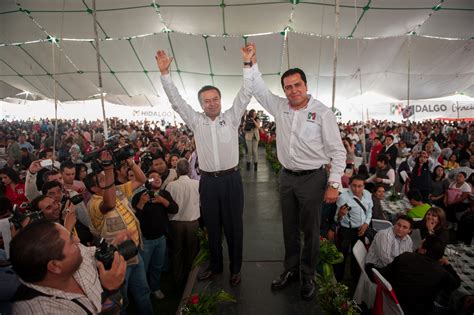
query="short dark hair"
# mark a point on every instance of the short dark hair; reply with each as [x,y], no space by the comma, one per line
[151,172]
[182,168]
[383,158]
[66,164]
[43,153]
[90,182]
[434,247]
[49,173]
[414,194]
[35,203]
[48,185]
[405,217]
[33,248]
[291,72]
[389,136]
[356,177]
[158,155]
[207,88]
[377,186]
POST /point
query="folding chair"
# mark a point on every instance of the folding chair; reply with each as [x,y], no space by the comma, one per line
[416,238]
[366,289]
[386,302]
[379,225]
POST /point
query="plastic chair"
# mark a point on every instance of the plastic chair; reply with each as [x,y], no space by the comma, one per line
[416,238]
[366,289]
[386,302]
[379,225]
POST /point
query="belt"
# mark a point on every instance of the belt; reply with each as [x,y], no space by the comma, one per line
[303,172]
[219,173]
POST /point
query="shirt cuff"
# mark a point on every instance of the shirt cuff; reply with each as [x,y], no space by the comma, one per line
[166,77]
[334,178]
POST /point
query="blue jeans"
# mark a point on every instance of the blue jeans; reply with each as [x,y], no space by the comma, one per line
[153,254]
[135,282]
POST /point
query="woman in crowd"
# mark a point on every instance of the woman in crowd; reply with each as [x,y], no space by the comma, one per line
[439,185]
[12,187]
[451,164]
[350,151]
[421,175]
[456,198]
[433,225]
[174,158]
[81,172]
[252,137]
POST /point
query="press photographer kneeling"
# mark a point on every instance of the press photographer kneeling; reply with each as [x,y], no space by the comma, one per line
[60,275]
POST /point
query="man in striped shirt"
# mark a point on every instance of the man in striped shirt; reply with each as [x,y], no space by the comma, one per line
[390,243]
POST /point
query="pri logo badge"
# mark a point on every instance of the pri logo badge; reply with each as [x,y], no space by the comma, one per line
[311,116]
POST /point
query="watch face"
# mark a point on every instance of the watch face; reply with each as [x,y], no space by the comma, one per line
[335,185]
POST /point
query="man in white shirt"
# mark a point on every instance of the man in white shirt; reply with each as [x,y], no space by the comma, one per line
[216,135]
[184,224]
[390,243]
[308,139]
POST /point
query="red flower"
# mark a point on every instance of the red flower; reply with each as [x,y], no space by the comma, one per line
[194,299]
[344,306]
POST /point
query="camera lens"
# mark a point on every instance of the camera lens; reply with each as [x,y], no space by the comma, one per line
[127,249]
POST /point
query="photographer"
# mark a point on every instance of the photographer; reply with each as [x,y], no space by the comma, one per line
[354,215]
[111,214]
[153,215]
[252,137]
[59,275]
[159,165]
[76,211]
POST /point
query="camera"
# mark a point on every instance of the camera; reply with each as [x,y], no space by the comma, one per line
[75,200]
[149,189]
[146,161]
[105,252]
[18,216]
[346,206]
[249,125]
[112,145]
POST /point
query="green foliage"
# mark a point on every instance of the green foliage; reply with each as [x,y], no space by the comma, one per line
[394,195]
[206,304]
[270,153]
[203,254]
[333,297]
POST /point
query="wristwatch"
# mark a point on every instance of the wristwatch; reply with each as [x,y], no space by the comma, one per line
[248,63]
[334,185]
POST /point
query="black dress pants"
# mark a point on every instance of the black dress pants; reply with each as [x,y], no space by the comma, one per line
[222,204]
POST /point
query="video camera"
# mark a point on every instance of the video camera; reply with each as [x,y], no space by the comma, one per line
[75,200]
[105,252]
[18,216]
[146,161]
[119,154]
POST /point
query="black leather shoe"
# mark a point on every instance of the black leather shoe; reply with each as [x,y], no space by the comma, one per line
[208,274]
[248,166]
[284,279]
[308,289]
[255,167]
[235,279]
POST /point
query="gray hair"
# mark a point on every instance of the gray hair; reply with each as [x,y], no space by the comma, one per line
[182,168]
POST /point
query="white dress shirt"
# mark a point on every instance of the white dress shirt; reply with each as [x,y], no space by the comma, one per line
[185,192]
[307,138]
[217,143]
[386,246]
[357,216]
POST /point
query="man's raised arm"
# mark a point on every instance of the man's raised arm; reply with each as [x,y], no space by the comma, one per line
[187,113]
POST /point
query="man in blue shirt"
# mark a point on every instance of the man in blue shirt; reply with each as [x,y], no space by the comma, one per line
[354,215]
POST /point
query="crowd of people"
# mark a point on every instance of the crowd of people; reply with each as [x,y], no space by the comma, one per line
[148,188]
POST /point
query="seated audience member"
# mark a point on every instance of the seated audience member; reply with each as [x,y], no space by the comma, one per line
[384,174]
[417,278]
[457,197]
[421,173]
[433,225]
[153,216]
[354,215]
[464,166]
[439,186]
[12,187]
[378,195]
[419,208]
[451,164]
[390,243]
[59,275]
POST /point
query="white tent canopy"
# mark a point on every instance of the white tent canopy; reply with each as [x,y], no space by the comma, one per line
[377,39]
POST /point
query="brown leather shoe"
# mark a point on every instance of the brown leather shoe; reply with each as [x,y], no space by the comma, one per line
[208,274]
[235,279]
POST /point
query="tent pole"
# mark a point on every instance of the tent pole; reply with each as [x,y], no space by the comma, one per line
[55,133]
[99,72]
[408,79]
[336,35]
